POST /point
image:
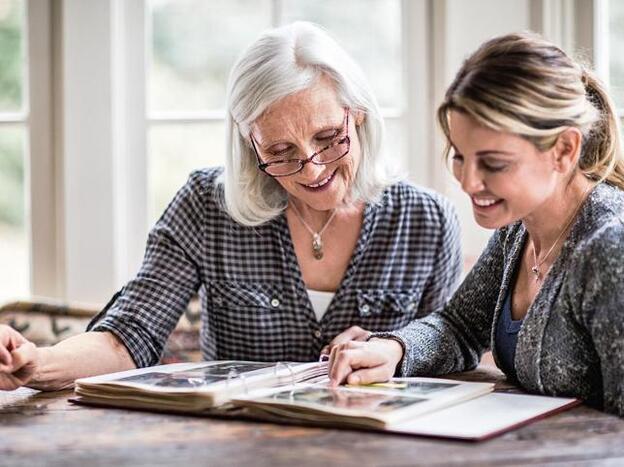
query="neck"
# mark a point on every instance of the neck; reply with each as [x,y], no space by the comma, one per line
[316,219]
[546,224]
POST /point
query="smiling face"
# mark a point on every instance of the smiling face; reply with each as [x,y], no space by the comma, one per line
[298,126]
[506,176]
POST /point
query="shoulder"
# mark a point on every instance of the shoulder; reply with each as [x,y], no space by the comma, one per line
[417,204]
[603,247]
[599,235]
[199,197]
[205,182]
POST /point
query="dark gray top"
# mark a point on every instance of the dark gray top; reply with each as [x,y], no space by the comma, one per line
[506,337]
[254,303]
[572,339]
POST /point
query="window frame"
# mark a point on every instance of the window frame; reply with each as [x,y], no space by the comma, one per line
[40,201]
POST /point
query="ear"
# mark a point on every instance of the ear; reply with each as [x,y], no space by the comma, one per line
[567,149]
[359,117]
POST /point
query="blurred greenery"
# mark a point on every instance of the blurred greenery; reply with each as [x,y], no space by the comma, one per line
[11,136]
[11,54]
[175,150]
[194,44]
[11,176]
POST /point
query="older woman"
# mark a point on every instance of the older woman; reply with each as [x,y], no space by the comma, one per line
[301,237]
[536,145]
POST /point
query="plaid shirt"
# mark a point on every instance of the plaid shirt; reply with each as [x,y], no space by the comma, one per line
[255,306]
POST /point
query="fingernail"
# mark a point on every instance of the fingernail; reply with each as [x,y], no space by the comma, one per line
[354,380]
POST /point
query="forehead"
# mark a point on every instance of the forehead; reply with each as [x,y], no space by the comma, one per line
[314,107]
[469,136]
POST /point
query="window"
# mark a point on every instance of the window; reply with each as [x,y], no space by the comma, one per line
[191,46]
[615,56]
[14,244]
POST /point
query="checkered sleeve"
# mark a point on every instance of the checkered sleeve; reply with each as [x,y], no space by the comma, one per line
[147,309]
[448,260]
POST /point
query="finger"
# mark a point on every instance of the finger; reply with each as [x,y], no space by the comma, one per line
[332,358]
[22,356]
[354,333]
[5,359]
[349,334]
[9,382]
[347,358]
[378,374]
[10,338]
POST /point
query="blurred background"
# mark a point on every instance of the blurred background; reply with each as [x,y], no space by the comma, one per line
[107,105]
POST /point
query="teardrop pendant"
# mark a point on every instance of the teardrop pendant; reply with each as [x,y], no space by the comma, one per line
[535,270]
[317,246]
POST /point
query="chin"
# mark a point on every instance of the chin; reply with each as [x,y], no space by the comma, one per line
[491,223]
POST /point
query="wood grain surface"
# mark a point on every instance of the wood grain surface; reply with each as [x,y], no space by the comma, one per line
[45,429]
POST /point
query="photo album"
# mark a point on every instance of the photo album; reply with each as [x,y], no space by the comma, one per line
[300,393]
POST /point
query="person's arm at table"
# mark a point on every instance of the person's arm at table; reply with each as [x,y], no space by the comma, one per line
[54,368]
[443,342]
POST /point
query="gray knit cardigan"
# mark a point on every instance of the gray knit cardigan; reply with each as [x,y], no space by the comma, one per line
[572,339]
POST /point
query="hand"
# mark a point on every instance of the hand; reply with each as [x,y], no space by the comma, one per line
[354,333]
[364,362]
[18,359]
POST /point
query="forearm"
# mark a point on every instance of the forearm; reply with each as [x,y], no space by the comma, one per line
[87,354]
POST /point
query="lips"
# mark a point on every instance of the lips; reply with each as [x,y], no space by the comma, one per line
[321,184]
[485,202]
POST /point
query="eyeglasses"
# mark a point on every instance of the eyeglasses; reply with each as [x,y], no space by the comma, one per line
[334,151]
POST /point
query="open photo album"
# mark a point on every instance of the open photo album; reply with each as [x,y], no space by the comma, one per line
[293,392]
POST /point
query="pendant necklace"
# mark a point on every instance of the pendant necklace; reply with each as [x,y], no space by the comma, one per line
[535,269]
[317,241]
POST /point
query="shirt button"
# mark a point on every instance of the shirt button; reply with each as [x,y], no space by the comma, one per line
[317,334]
[411,306]
[218,300]
[275,303]
[365,309]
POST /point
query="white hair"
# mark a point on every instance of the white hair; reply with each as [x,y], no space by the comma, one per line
[283,61]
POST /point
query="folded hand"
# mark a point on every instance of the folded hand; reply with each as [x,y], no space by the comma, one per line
[18,359]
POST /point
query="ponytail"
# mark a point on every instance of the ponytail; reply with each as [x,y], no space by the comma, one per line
[601,154]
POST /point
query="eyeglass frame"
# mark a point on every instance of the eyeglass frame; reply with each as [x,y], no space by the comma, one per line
[302,162]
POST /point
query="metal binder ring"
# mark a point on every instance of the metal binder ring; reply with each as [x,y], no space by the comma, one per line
[290,370]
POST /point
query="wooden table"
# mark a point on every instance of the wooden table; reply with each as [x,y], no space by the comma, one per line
[45,429]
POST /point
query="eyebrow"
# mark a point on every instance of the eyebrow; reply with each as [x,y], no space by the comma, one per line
[486,152]
[493,152]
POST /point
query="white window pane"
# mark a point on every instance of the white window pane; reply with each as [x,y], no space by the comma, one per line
[175,150]
[11,55]
[370,30]
[616,45]
[395,146]
[193,46]
[14,252]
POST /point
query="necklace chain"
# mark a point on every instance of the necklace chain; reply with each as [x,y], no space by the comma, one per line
[317,241]
[536,264]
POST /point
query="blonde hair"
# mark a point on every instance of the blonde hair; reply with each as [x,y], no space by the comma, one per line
[522,84]
[283,61]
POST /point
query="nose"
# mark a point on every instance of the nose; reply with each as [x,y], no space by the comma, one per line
[312,171]
[470,179]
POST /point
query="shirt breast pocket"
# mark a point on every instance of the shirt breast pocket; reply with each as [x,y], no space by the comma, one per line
[386,310]
[250,319]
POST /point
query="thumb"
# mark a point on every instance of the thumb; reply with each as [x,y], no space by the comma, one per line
[378,374]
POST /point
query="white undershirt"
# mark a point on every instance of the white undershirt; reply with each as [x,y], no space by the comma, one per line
[320,302]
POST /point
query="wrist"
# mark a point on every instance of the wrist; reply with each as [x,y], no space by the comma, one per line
[395,347]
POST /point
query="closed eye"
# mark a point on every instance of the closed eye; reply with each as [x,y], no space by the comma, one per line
[327,135]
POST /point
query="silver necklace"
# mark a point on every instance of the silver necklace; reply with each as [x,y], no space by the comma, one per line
[317,241]
[536,264]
